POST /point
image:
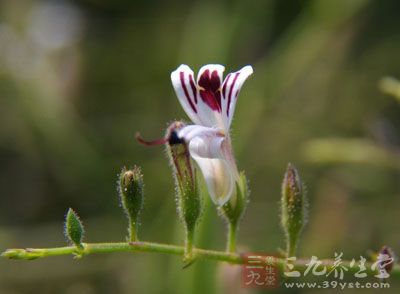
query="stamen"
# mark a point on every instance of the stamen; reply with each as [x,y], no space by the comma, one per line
[140,139]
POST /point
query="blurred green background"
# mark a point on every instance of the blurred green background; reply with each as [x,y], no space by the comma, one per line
[78,78]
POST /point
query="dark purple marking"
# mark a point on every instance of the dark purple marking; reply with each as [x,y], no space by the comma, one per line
[182,77]
[210,92]
[193,86]
[224,86]
[230,92]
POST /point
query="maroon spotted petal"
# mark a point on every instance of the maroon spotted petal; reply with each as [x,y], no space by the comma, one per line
[210,89]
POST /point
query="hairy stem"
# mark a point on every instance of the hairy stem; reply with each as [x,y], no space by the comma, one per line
[94,248]
[234,258]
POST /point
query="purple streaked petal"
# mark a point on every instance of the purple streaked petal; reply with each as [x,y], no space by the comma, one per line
[194,88]
[224,86]
[185,92]
[230,92]
[231,88]
[189,99]
[209,81]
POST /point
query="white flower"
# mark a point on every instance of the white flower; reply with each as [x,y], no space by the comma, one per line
[210,104]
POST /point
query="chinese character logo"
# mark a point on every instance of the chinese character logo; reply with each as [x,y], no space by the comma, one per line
[259,271]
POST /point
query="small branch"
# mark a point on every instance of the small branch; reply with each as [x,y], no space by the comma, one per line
[232,258]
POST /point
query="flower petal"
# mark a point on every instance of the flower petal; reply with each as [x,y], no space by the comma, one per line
[230,91]
[217,172]
[186,90]
[191,131]
[209,81]
[207,146]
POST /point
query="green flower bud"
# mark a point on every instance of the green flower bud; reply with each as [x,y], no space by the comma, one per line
[188,194]
[294,208]
[131,198]
[74,229]
[233,210]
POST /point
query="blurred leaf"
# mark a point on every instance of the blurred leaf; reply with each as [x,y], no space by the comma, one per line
[390,86]
[356,151]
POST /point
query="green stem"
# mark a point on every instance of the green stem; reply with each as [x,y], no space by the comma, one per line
[291,246]
[189,255]
[189,243]
[132,231]
[94,248]
[234,258]
[232,230]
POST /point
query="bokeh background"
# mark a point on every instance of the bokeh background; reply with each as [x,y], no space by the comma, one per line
[79,78]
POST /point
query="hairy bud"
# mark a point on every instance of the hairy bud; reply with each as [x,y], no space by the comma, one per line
[131,197]
[188,195]
[74,229]
[294,208]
